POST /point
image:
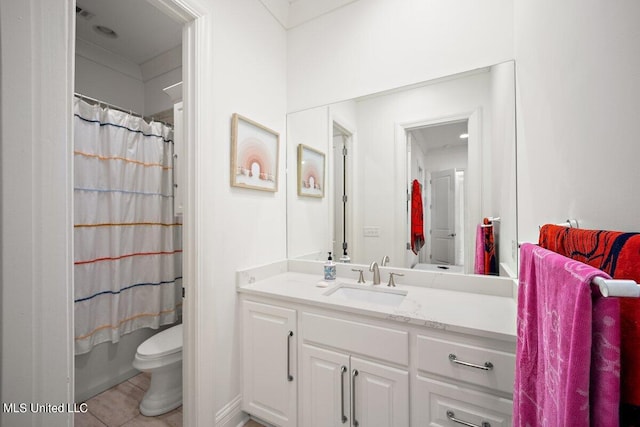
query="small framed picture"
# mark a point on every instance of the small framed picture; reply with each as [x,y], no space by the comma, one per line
[254,155]
[310,172]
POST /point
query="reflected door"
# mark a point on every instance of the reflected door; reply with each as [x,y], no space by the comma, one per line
[443,247]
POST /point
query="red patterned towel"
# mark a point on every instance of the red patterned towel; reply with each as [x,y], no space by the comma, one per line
[490,261]
[417,219]
[618,254]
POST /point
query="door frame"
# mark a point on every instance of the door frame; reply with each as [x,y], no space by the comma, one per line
[473,179]
[196,64]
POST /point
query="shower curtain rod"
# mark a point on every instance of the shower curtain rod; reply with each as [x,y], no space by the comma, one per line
[115,107]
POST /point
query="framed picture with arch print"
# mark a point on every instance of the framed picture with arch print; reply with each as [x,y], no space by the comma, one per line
[310,172]
[254,155]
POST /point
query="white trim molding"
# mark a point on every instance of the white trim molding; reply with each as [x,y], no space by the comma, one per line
[231,415]
[37,204]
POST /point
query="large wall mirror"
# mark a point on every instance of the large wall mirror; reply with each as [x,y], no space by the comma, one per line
[449,142]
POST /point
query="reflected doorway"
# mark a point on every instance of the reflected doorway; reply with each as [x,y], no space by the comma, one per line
[342,144]
[437,157]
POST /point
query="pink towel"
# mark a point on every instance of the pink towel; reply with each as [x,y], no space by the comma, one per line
[478,267]
[568,349]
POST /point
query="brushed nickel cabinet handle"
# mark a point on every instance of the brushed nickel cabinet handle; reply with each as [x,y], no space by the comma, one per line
[289,376]
[354,374]
[486,367]
[343,370]
[453,418]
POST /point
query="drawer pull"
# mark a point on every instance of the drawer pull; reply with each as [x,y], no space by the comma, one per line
[354,374]
[486,367]
[343,370]
[289,376]
[453,418]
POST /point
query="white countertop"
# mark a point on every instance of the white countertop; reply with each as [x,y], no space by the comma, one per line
[481,314]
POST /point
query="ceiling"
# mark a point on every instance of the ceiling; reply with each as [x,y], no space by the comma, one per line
[145,32]
[440,136]
[291,13]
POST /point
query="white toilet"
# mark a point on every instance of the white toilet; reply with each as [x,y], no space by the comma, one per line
[161,355]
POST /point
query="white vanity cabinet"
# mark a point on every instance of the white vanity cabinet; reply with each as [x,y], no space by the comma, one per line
[269,351]
[462,380]
[353,373]
[351,369]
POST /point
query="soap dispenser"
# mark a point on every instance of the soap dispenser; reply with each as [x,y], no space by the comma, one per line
[330,269]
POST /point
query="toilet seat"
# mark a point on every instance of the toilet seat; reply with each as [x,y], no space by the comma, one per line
[163,343]
[161,349]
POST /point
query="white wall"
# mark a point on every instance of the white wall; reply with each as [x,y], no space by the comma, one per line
[111,78]
[107,364]
[108,77]
[578,88]
[158,73]
[383,44]
[446,158]
[241,227]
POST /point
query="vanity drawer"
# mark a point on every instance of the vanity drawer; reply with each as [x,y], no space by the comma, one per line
[469,363]
[441,404]
[373,341]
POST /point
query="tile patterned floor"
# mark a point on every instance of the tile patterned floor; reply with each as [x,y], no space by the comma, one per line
[118,407]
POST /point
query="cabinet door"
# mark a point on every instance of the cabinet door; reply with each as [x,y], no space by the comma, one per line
[325,387]
[379,395]
[269,363]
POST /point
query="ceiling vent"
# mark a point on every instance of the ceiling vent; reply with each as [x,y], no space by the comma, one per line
[84,13]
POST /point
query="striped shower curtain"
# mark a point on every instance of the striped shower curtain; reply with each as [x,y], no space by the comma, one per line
[126,252]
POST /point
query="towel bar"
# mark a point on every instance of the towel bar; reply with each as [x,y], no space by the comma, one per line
[491,219]
[571,223]
[624,288]
[617,287]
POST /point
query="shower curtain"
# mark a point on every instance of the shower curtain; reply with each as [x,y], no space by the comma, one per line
[126,254]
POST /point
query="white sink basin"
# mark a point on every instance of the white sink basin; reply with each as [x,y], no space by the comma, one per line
[363,293]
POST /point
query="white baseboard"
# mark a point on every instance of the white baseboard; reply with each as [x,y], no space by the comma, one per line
[231,415]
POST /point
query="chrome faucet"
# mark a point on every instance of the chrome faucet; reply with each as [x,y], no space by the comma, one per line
[376,272]
[385,260]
